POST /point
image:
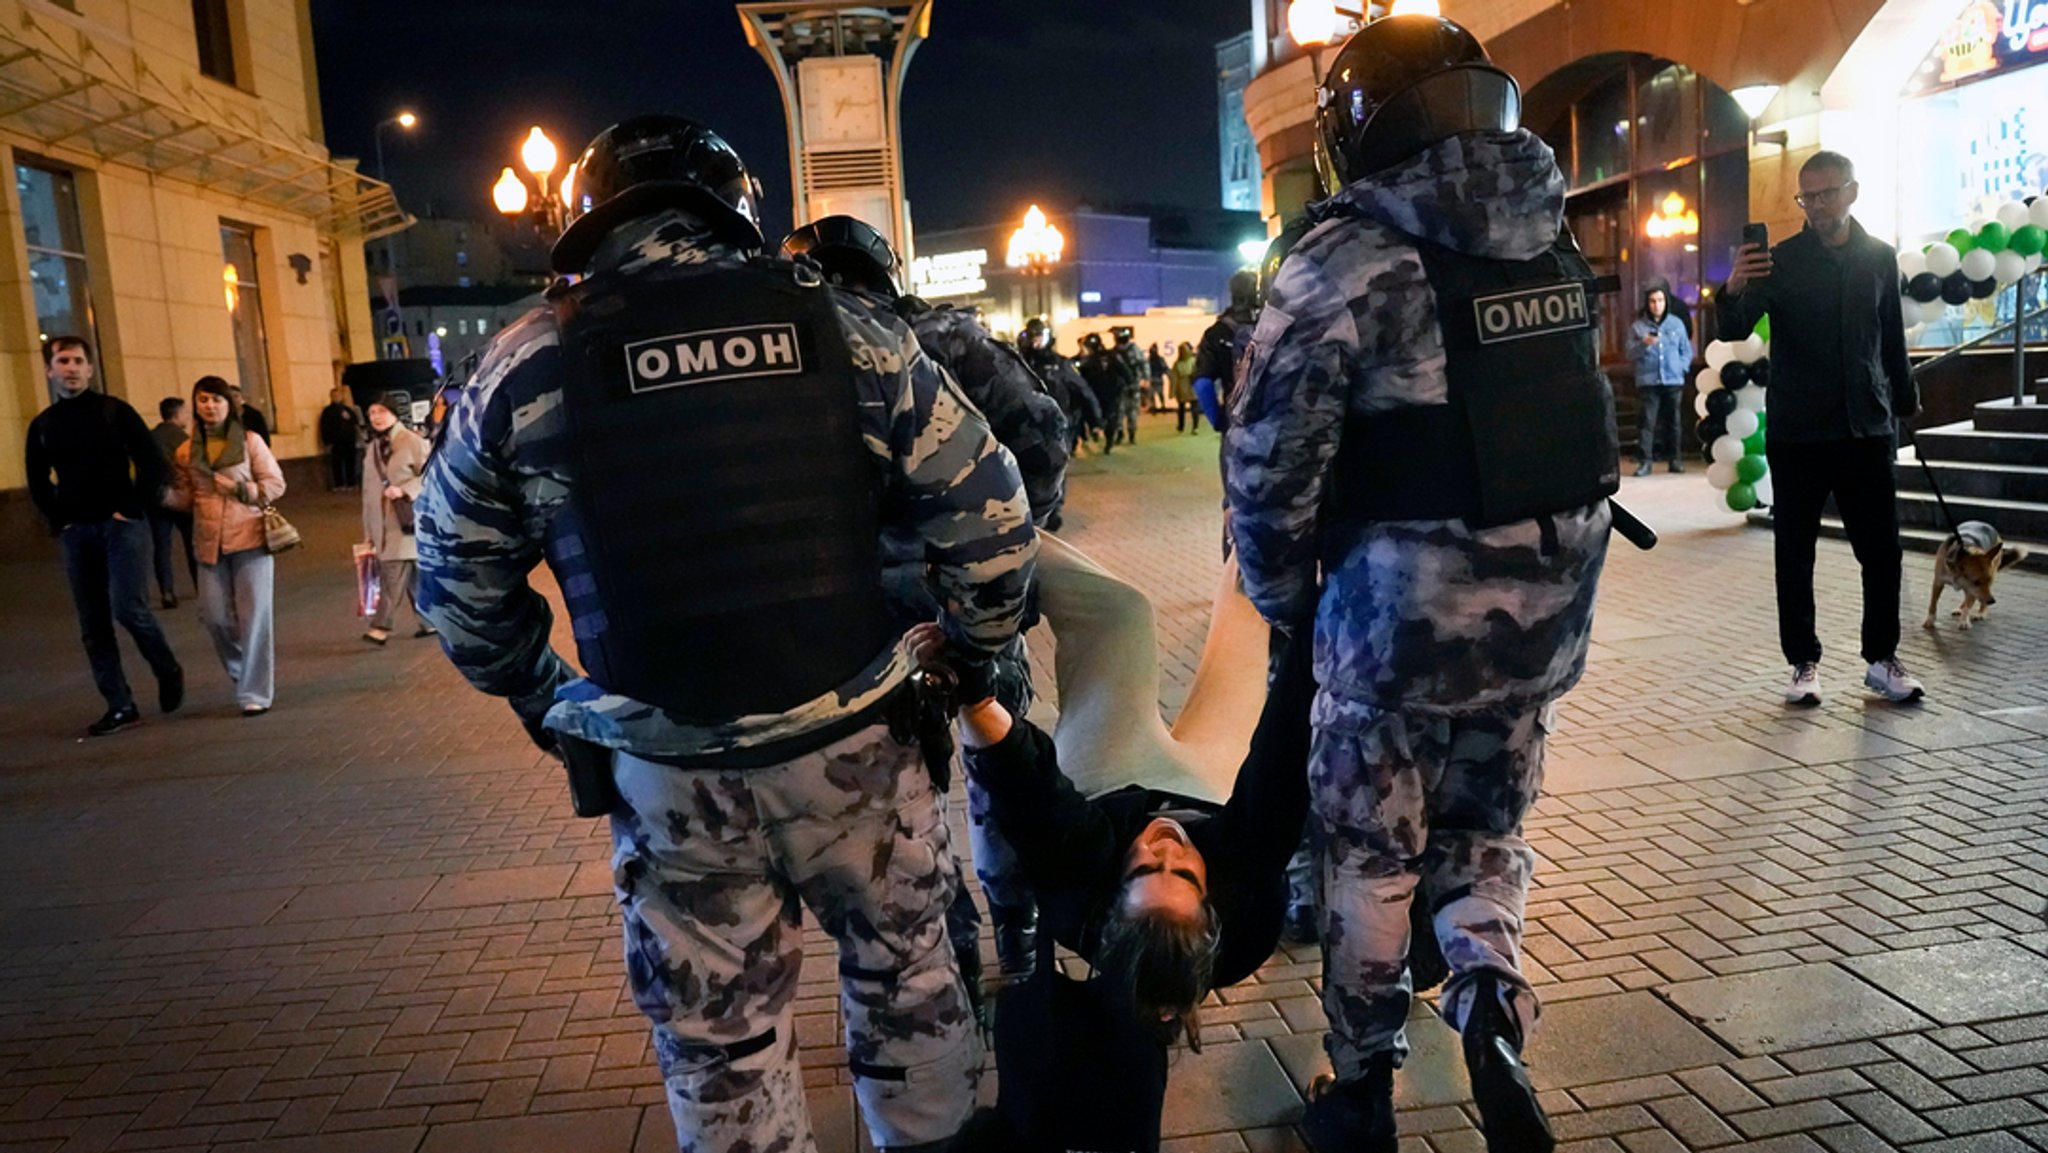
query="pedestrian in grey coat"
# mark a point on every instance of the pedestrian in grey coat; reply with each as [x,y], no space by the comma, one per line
[394,458]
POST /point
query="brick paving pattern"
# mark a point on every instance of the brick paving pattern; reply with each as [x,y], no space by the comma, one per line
[367,921]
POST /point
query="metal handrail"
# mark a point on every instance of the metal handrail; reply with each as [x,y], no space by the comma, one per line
[1950,354]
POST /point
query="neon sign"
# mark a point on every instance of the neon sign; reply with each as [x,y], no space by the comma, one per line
[949,273]
[1985,40]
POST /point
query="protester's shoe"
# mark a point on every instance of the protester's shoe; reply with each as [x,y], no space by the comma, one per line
[170,691]
[1677,465]
[1891,679]
[169,601]
[1302,926]
[1804,691]
[254,711]
[1510,1117]
[1352,1116]
[1016,930]
[1643,469]
[115,721]
[424,631]
[377,636]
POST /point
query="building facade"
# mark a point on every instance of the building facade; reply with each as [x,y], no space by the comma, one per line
[172,201]
[1939,102]
[1240,154]
[1115,264]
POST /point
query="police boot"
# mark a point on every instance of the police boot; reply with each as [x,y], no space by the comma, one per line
[1016,928]
[1353,1116]
[1509,1114]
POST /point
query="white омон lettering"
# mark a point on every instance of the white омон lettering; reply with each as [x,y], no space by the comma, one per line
[778,348]
[1528,313]
[651,364]
[703,357]
[740,352]
[1497,318]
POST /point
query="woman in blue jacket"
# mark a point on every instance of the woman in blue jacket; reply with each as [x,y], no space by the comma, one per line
[1662,348]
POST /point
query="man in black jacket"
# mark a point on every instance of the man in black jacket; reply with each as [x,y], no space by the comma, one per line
[108,473]
[1840,383]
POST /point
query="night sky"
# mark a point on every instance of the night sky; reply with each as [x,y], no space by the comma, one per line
[1010,101]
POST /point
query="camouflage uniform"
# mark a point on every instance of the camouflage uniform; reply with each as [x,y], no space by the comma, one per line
[1067,387]
[711,865]
[1109,376]
[1439,647]
[1128,402]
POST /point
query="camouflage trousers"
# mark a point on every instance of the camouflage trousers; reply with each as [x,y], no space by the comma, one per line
[714,869]
[1402,799]
[1125,420]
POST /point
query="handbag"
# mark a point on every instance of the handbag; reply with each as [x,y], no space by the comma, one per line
[278,533]
[401,507]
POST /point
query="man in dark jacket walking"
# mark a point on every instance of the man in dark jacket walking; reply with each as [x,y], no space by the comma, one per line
[341,430]
[1840,383]
[173,429]
[108,473]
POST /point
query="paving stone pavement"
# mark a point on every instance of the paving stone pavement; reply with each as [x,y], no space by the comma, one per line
[367,921]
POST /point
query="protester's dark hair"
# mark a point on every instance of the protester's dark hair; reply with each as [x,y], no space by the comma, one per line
[1163,964]
[217,387]
[1834,160]
[57,344]
[168,407]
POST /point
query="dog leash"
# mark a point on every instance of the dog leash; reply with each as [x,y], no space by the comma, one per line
[1953,532]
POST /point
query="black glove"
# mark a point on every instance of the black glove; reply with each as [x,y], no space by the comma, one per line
[974,679]
[542,736]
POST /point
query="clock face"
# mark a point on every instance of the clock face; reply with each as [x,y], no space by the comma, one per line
[842,101]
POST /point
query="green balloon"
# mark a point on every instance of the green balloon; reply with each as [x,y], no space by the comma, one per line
[1741,497]
[1750,469]
[1763,328]
[1961,240]
[1753,449]
[1993,237]
[2028,239]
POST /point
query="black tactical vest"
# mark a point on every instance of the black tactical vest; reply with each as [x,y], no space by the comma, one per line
[1530,426]
[725,497]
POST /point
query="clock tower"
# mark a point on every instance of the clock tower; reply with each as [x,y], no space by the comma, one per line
[840,66]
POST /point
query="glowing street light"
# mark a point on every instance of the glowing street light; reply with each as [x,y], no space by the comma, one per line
[1251,252]
[407,120]
[1312,23]
[1037,246]
[539,153]
[509,193]
[1673,219]
[1415,8]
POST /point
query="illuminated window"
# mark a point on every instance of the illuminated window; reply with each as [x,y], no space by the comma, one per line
[56,253]
[245,309]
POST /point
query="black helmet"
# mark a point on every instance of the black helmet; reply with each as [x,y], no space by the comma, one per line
[1035,335]
[851,252]
[1092,342]
[1123,333]
[1276,255]
[1244,286]
[1400,85]
[648,163]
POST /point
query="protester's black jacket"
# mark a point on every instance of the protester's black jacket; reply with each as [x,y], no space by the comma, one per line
[1838,343]
[104,458]
[1072,848]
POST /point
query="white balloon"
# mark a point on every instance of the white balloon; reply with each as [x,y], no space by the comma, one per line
[1943,259]
[1721,474]
[1709,379]
[1932,311]
[1752,349]
[2034,262]
[2011,266]
[1766,493]
[1729,449]
[1912,264]
[1749,398]
[2038,212]
[1719,352]
[1699,404]
[1742,422]
[1980,264]
[2012,214]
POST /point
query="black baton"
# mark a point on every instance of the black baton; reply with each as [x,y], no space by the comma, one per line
[1631,527]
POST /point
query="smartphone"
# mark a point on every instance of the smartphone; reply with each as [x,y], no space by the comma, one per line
[1757,233]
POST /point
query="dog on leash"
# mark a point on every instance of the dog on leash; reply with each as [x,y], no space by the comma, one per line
[1969,561]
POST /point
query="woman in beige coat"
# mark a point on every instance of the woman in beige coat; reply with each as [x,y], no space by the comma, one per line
[225,475]
[393,462]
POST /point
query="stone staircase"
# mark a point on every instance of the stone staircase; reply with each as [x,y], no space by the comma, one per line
[1993,468]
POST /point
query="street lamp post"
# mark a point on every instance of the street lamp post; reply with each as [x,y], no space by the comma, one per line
[545,203]
[405,120]
[1314,23]
[1034,249]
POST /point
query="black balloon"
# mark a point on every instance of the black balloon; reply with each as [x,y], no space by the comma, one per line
[1984,289]
[1955,288]
[1760,374]
[1925,288]
[1734,374]
[1720,403]
[1712,429]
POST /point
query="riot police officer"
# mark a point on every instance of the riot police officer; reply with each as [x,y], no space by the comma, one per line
[1424,424]
[706,448]
[854,255]
[1062,380]
[1134,358]
[1112,380]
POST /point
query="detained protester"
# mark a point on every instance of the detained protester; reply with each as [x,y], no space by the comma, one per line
[744,716]
[1418,477]
[1166,896]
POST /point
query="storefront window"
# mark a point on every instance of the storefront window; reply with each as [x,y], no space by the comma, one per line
[55,240]
[245,309]
[1668,116]
[1603,136]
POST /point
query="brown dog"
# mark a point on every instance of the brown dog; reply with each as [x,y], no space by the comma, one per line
[1969,560]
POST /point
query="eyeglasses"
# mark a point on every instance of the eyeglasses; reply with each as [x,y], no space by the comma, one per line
[1824,196]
